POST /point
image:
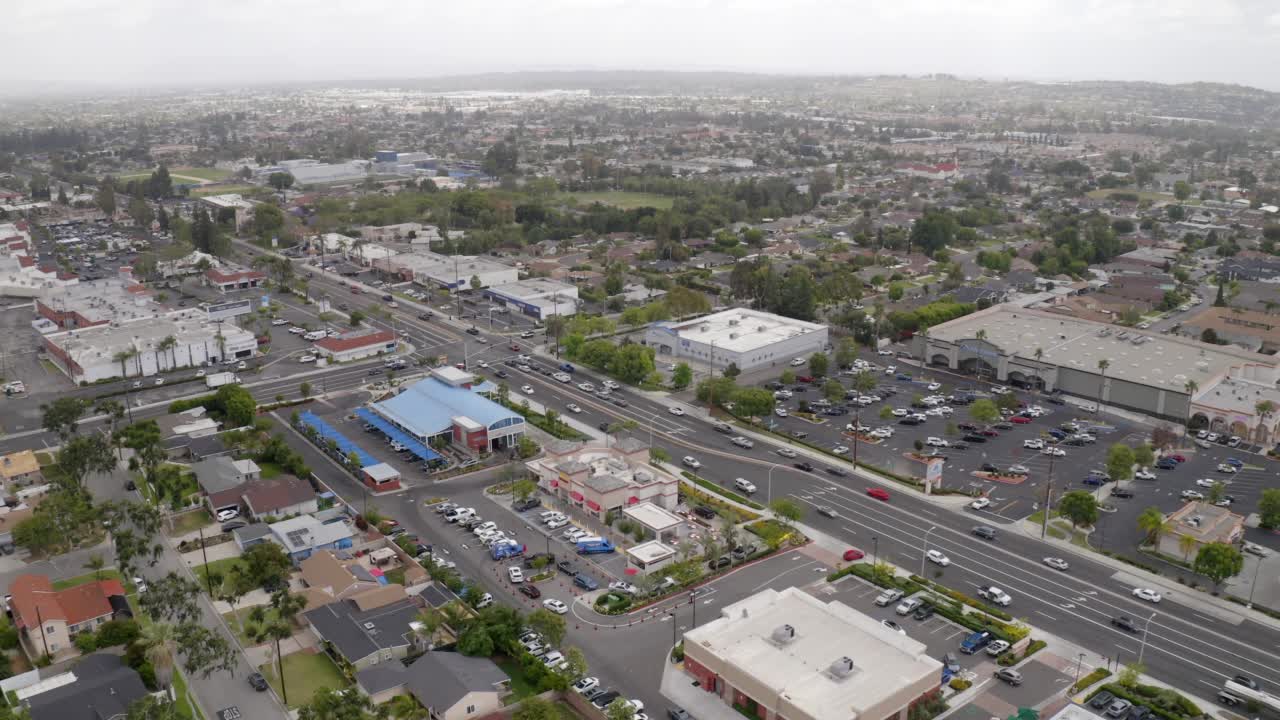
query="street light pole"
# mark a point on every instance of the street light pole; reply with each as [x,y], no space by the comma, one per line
[875,551]
[1254,584]
[925,550]
[769,492]
[1079,662]
[1145,628]
[1044,525]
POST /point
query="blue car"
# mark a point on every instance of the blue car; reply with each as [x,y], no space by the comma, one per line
[1166,464]
[904,376]
[1234,463]
[1095,480]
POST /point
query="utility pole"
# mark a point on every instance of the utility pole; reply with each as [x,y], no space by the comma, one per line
[1044,525]
[208,579]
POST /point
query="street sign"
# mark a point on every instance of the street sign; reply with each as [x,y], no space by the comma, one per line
[933,476]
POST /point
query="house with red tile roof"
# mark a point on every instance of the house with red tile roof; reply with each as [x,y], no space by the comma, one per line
[48,620]
[232,280]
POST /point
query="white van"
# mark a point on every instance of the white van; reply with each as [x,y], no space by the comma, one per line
[315,335]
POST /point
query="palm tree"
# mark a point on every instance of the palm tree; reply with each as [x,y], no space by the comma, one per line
[122,357]
[1151,521]
[730,536]
[168,342]
[430,619]
[1186,544]
[95,563]
[1265,410]
[1039,355]
[158,639]
[1103,364]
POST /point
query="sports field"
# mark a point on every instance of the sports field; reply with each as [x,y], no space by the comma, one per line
[620,199]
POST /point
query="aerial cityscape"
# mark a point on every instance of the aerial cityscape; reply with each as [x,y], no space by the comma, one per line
[567,388]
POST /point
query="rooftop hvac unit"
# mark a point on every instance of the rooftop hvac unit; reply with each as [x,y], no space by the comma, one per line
[842,668]
[1122,335]
[760,328]
[733,322]
[369,626]
[733,336]
[784,634]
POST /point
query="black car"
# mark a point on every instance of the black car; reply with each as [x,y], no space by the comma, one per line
[1101,700]
[131,485]
[501,373]
[233,525]
[425,316]
[620,402]
[988,467]
[805,466]
[678,713]
[530,590]
[1124,623]
[473,331]
[722,561]
[909,421]
[743,551]
[1003,426]
[566,567]
[603,700]
[974,438]
[959,446]
[257,682]
[969,427]
[924,612]
[527,504]
[775,385]
[1121,493]
[706,512]
[1055,400]
[985,532]
[604,427]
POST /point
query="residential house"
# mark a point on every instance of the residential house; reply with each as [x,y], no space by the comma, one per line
[328,579]
[98,687]
[47,620]
[222,479]
[367,636]
[252,534]
[303,535]
[281,496]
[450,685]
[19,469]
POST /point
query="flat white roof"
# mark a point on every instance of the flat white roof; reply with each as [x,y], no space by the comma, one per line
[533,288]
[381,471]
[88,346]
[444,268]
[799,671]
[739,329]
[652,516]
[1147,358]
[651,552]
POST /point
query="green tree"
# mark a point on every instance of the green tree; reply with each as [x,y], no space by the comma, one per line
[1151,521]
[833,391]
[523,489]
[632,363]
[547,624]
[1120,462]
[152,707]
[1144,456]
[268,221]
[788,377]
[818,364]
[1181,190]
[237,405]
[96,563]
[304,389]
[846,352]
[620,709]
[330,704]
[280,180]
[658,455]
[1080,507]
[789,511]
[682,376]
[896,291]
[752,402]
[106,197]
[62,416]
[535,708]
[1269,508]
[984,411]
[1218,561]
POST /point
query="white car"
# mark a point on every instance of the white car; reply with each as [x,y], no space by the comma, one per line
[625,587]
[573,408]
[891,370]
[561,377]
[1033,444]
[586,685]
[200,373]
[780,412]
[676,410]
[485,601]
[1144,474]
[1207,482]
[1056,563]
[1146,594]
[786,452]
[1191,495]
[307,359]
[228,514]
[277,322]
[140,584]
[797,362]
[937,442]
[484,527]
[1225,468]
[744,485]
[610,385]
[980,504]
[557,523]
[515,574]
[555,606]
[526,389]
[782,395]
[742,442]
[295,330]
[1000,390]
[883,433]
[933,386]
[839,450]
[901,412]
[937,558]
[1019,470]
[997,647]
[1053,451]
[586,387]
[885,353]
[691,462]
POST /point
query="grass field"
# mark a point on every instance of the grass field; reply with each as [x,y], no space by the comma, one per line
[304,674]
[107,574]
[219,567]
[220,189]
[624,200]
[186,174]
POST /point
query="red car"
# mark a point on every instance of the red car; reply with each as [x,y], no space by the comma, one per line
[853,554]
[1177,458]
[878,493]
[514,347]
[989,433]
[805,378]
[1019,419]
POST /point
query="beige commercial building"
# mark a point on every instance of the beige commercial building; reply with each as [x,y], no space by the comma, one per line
[786,654]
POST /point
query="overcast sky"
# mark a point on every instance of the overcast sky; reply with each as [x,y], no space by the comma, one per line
[74,44]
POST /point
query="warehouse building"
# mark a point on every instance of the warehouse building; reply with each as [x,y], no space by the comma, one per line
[537,297]
[786,654]
[1147,373]
[452,272]
[141,349]
[97,302]
[746,338]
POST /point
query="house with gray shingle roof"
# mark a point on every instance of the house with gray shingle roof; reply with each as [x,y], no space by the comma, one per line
[451,686]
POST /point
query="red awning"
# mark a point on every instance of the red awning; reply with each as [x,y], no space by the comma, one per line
[575,495]
[555,483]
[593,504]
[633,500]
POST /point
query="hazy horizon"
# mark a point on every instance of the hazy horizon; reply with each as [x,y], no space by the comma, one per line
[90,45]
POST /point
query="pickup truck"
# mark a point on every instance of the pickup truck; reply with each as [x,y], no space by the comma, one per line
[995,595]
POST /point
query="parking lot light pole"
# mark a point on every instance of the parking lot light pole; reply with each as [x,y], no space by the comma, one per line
[1145,628]
[1044,525]
[924,551]
[1254,584]
[875,551]
[1079,662]
[769,492]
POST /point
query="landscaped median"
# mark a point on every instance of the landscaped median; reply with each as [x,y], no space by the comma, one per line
[705,483]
